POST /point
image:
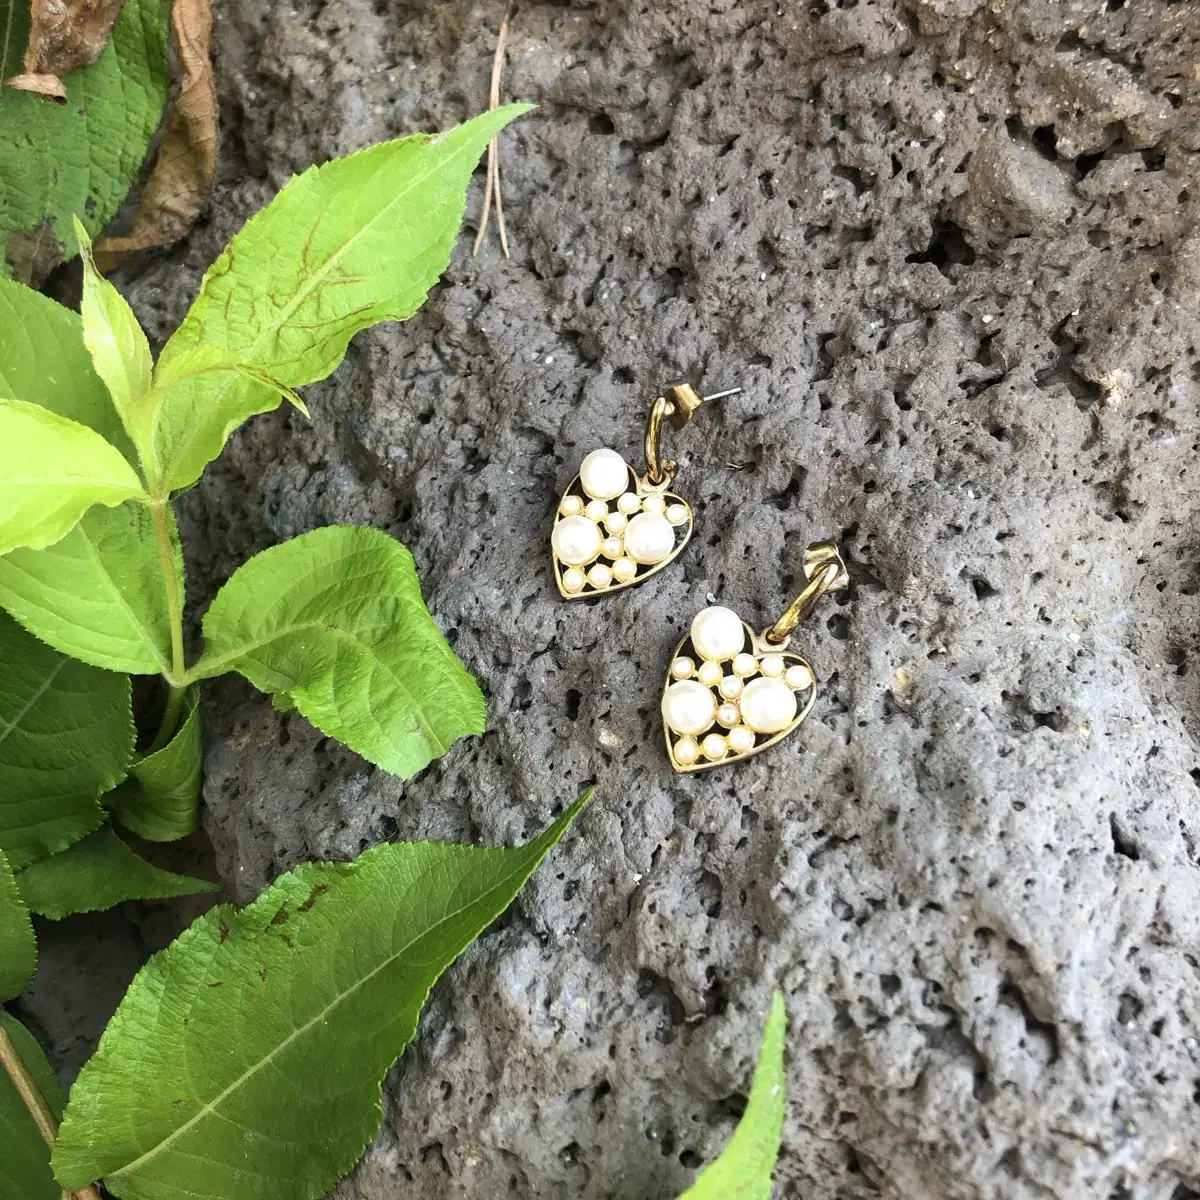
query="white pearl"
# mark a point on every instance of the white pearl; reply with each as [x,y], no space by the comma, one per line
[728,715]
[731,687]
[799,677]
[624,569]
[745,664]
[687,751]
[682,668]
[599,576]
[768,705]
[710,673]
[772,665]
[613,547]
[649,539]
[597,510]
[615,522]
[629,503]
[714,746]
[574,579]
[741,739]
[717,633]
[689,707]
[676,514]
[571,506]
[603,474]
[654,504]
[575,540]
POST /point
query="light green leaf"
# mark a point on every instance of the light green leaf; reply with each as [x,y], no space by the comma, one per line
[98,594]
[255,1044]
[335,619]
[160,798]
[51,472]
[114,339]
[97,873]
[343,246]
[43,360]
[25,1161]
[79,157]
[18,949]
[66,736]
[743,1172]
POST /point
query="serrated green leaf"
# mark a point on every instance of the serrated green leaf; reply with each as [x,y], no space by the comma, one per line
[78,157]
[66,736]
[98,594]
[51,472]
[25,1162]
[743,1172]
[343,246]
[335,619]
[118,346]
[256,1043]
[18,949]
[43,360]
[160,798]
[97,873]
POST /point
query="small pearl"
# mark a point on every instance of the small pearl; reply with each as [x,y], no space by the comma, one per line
[597,510]
[799,677]
[654,504]
[603,474]
[689,707]
[731,687]
[599,576]
[714,747]
[624,569]
[613,547]
[615,522]
[571,506]
[741,739]
[745,665]
[768,705]
[772,665]
[686,751]
[676,514]
[629,503]
[649,539]
[573,579]
[728,715]
[717,633]
[682,668]
[710,673]
[575,540]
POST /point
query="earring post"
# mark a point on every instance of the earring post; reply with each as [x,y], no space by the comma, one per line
[721,395]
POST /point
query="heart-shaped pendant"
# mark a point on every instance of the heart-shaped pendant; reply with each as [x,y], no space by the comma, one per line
[614,528]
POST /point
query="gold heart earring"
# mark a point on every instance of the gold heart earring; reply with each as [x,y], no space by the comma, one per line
[615,528]
[732,693]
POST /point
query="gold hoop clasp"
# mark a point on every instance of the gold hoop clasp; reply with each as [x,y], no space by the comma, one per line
[826,572]
[677,405]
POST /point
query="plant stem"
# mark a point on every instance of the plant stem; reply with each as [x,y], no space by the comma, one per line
[39,1110]
[170,718]
[166,558]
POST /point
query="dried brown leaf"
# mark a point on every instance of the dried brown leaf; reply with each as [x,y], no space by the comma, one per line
[65,35]
[187,155]
[44,85]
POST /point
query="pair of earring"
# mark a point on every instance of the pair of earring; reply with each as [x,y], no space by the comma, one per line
[730,692]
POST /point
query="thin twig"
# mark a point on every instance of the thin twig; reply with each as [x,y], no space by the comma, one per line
[39,1110]
[492,186]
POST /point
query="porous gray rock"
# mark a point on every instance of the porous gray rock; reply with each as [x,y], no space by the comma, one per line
[949,250]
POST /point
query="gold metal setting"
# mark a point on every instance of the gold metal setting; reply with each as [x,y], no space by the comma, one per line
[744,679]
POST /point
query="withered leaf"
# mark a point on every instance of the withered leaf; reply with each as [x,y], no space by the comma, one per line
[64,35]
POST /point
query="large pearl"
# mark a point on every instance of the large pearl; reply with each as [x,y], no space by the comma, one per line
[603,474]
[689,707]
[717,633]
[768,705]
[649,538]
[576,540]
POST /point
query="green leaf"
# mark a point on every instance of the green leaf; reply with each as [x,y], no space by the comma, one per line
[744,1170]
[97,873]
[18,949]
[246,1059]
[25,1162]
[66,736]
[79,157]
[343,246]
[160,798]
[43,360]
[98,594]
[335,619]
[114,339]
[51,472]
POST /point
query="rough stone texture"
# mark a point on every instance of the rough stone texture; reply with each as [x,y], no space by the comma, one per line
[949,249]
